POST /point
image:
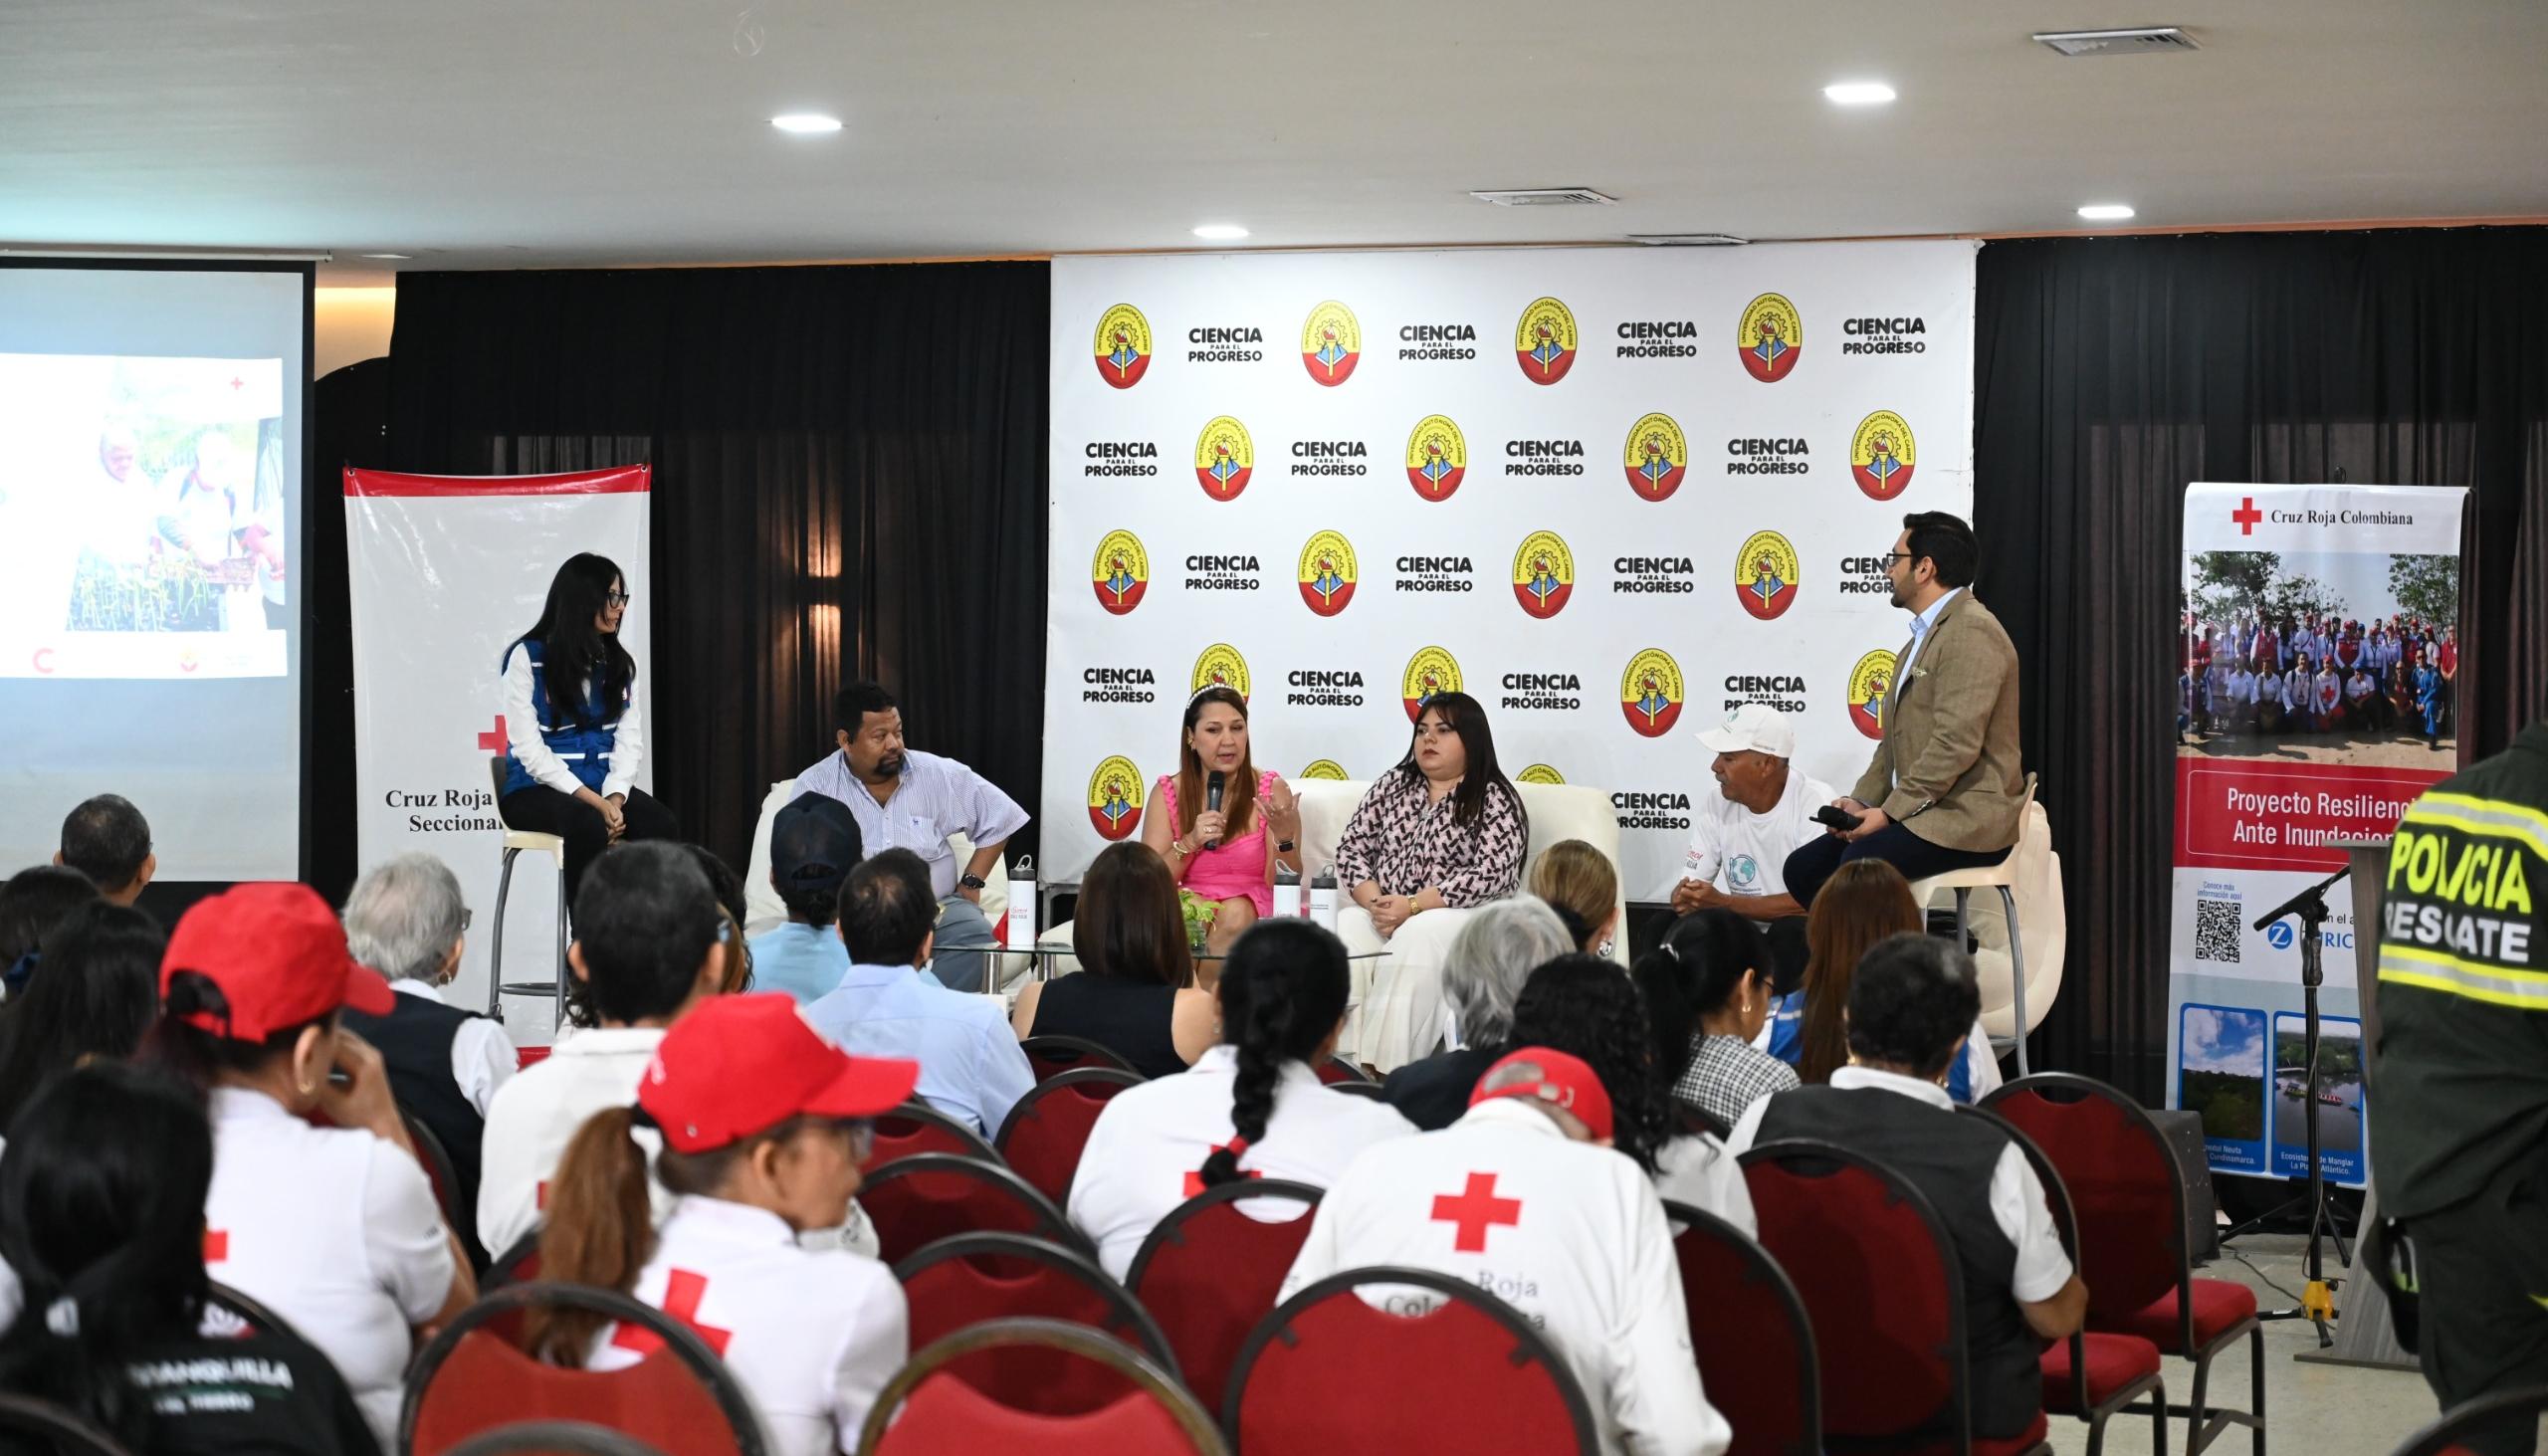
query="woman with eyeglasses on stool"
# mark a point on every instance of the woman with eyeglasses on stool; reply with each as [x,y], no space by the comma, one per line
[766,1127]
[574,734]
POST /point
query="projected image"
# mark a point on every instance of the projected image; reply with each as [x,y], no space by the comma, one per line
[144,502]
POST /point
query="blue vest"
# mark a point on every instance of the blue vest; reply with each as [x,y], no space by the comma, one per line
[584,751]
[1787,1043]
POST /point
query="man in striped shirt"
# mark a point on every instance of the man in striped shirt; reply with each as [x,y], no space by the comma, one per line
[903,798]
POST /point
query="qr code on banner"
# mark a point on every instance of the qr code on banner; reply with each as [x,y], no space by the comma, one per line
[2216,931]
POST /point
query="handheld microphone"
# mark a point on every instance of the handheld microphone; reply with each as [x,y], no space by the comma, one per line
[1837,818]
[1212,800]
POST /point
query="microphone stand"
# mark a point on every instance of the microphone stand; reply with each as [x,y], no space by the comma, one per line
[2317,1298]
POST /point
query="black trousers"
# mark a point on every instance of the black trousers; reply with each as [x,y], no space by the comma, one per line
[544,810]
[1895,843]
[2481,1273]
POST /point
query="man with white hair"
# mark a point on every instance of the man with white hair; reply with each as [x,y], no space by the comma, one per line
[406,921]
[1490,958]
[1741,835]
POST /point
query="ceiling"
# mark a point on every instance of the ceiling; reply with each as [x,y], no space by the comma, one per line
[509,134]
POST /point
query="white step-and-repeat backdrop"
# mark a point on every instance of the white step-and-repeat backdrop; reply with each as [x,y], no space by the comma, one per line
[1609,492]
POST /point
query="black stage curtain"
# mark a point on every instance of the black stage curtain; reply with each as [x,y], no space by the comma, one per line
[849,482]
[2111,372]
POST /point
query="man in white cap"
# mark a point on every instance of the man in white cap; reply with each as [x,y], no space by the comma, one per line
[1742,835]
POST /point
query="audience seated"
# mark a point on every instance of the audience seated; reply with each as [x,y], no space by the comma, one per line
[1861,903]
[1583,1006]
[107,840]
[1490,958]
[813,845]
[98,996]
[1249,1107]
[729,890]
[405,920]
[764,1127]
[649,946]
[102,1194]
[1707,995]
[1578,883]
[1911,1005]
[1133,991]
[335,1228]
[30,904]
[1523,1198]
[970,1067]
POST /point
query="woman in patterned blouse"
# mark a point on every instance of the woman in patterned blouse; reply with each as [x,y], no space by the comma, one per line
[1439,833]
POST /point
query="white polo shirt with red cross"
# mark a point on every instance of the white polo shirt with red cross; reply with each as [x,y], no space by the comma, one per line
[1146,1155]
[811,1336]
[535,1115]
[335,1231]
[1570,1234]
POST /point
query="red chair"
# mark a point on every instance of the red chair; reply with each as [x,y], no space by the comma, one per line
[927,1410]
[554,1438]
[1896,1369]
[1336,1068]
[1051,1055]
[916,1128]
[1328,1372]
[2445,1437]
[1209,1272]
[916,1201]
[436,1161]
[1749,1330]
[955,1284]
[2089,1376]
[2130,1198]
[1044,1132]
[517,1265]
[471,1380]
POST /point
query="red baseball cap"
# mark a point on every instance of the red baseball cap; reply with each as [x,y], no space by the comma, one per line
[1560,1080]
[279,956]
[742,1065]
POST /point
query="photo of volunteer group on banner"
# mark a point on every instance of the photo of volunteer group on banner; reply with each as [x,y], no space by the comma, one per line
[1609,494]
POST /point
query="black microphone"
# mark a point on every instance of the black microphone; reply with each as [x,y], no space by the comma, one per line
[1212,800]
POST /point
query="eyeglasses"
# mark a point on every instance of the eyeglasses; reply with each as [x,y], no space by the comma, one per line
[1898,556]
[618,598]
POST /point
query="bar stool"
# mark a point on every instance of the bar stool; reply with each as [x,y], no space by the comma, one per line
[2001,877]
[518,842]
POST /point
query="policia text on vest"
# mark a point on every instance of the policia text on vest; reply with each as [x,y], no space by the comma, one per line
[2458,1101]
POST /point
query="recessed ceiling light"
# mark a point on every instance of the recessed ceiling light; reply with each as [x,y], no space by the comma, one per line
[398,257]
[2106,212]
[1859,92]
[1220,232]
[807,123]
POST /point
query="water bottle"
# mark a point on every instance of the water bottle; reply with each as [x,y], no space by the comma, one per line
[1287,891]
[1323,899]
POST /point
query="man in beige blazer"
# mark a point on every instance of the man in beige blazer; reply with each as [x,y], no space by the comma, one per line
[1944,789]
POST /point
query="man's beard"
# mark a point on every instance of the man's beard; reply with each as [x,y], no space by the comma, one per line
[891,765]
[1901,599]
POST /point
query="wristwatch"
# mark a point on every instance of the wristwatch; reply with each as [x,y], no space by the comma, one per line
[972,882]
[1282,845]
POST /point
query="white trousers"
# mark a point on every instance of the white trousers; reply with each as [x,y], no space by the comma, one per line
[1397,998]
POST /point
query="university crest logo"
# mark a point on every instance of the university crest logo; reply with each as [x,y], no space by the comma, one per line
[1543,575]
[1120,573]
[1543,341]
[1327,768]
[1431,673]
[1650,693]
[1880,455]
[1331,343]
[1437,457]
[1219,666]
[1770,337]
[1327,572]
[1223,458]
[1123,345]
[1538,773]
[1765,573]
[1870,681]
[1658,456]
[1115,797]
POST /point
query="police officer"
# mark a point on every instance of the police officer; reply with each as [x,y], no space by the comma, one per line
[2459,1115]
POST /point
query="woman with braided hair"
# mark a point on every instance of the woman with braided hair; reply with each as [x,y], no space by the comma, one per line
[1250,1106]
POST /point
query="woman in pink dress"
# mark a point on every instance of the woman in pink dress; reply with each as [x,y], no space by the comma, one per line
[1223,859]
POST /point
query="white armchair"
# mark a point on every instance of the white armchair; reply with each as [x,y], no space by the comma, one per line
[761,904]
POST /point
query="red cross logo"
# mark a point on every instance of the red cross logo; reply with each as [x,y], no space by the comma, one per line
[1475,1210]
[237,383]
[540,1196]
[681,1293]
[2246,515]
[1195,1179]
[493,743]
[216,1245]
